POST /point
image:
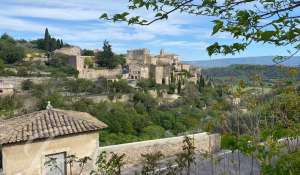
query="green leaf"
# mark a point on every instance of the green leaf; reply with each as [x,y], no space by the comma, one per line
[104,16]
[158,15]
[217,27]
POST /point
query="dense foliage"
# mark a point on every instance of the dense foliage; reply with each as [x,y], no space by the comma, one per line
[106,57]
[10,51]
[48,43]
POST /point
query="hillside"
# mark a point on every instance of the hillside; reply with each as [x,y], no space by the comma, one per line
[246,72]
[263,60]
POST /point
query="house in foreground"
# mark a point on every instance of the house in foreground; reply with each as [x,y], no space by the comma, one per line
[29,141]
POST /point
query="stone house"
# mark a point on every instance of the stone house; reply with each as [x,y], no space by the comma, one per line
[77,61]
[29,141]
[6,89]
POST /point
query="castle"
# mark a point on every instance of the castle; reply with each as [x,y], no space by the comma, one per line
[163,68]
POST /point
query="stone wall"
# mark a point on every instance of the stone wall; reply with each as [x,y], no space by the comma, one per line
[105,98]
[17,81]
[93,74]
[204,142]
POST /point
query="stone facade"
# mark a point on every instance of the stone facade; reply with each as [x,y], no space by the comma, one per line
[73,55]
[143,65]
[6,89]
[28,141]
[204,142]
[29,159]
[77,61]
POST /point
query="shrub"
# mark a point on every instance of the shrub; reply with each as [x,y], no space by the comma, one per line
[27,85]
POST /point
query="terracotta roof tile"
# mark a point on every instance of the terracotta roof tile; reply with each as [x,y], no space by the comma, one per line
[47,124]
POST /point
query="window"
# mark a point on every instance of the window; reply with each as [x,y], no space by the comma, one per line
[56,164]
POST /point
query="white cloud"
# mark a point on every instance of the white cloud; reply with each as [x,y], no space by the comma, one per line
[15,24]
[198,45]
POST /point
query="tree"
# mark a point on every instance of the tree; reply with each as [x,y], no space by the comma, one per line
[47,40]
[104,58]
[107,58]
[87,52]
[151,163]
[27,85]
[265,21]
[109,166]
[10,52]
[187,157]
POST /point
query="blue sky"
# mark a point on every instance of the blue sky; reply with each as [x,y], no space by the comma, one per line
[76,22]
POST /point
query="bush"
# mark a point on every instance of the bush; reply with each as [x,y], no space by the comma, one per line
[80,86]
[10,51]
[27,85]
[153,132]
[288,164]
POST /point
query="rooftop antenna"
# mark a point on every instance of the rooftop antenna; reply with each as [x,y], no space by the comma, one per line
[49,106]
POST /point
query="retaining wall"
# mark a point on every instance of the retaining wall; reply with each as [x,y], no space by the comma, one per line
[97,73]
[204,142]
[17,81]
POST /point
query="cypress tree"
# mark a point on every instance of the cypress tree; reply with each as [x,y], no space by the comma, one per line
[58,45]
[47,40]
[61,43]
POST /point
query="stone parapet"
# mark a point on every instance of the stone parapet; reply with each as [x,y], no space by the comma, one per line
[204,142]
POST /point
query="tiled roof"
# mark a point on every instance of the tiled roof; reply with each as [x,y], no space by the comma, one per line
[47,124]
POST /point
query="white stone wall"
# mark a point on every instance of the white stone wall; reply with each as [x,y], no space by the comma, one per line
[204,142]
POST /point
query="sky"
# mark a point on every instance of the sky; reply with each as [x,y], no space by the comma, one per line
[77,23]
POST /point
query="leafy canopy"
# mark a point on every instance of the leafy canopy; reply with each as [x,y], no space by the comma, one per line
[265,21]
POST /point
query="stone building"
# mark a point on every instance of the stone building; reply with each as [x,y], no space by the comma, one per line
[6,89]
[73,56]
[29,141]
[143,65]
[77,61]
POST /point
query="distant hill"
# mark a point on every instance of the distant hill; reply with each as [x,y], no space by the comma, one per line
[263,60]
[246,72]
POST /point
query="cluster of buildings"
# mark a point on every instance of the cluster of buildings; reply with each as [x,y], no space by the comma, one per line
[162,68]
[140,64]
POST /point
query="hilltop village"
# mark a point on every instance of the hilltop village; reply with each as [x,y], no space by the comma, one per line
[140,65]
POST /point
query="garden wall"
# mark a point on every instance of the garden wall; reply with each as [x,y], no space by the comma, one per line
[204,142]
